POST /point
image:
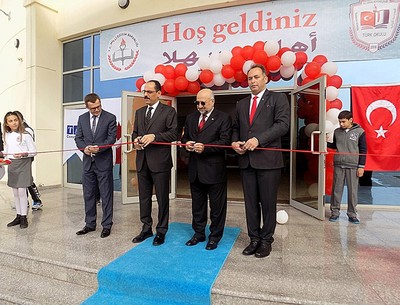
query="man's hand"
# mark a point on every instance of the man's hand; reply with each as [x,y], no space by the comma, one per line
[137,144]
[190,145]
[360,172]
[147,139]
[238,147]
[198,148]
[251,144]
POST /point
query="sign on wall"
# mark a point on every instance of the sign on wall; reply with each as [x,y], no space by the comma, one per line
[343,30]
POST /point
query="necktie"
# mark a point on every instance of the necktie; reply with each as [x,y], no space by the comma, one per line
[202,122]
[148,115]
[94,124]
[253,109]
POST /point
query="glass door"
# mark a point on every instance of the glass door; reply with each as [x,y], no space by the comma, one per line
[308,147]
[131,101]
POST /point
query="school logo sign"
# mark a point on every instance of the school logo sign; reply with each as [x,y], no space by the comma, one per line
[374,23]
[123,51]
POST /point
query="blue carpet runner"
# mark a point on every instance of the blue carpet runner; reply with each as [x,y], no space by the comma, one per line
[172,273]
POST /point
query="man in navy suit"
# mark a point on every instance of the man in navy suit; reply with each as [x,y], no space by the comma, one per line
[154,122]
[207,167]
[261,120]
[96,132]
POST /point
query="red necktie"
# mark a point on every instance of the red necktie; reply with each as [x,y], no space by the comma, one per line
[202,122]
[253,109]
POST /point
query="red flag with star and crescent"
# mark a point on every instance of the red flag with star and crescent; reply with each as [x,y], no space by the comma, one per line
[377,110]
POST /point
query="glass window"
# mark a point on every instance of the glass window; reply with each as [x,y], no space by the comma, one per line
[112,88]
[96,50]
[76,54]
[76,86]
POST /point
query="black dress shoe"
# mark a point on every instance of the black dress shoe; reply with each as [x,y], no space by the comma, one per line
[263,250]
[142,236]
[85,230]
[106,232]
[159,239]
[251,248]
[195,240]
[211,245]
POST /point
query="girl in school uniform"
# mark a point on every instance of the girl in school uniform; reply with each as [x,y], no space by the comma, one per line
[20,148]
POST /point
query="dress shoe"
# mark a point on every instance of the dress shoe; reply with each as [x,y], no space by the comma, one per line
[159,239]
[195,240]
[263,250]
[85,230]
[211,245]
[106,232]
[142,236]
[251,248]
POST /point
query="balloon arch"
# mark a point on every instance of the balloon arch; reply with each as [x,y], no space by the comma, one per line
[230,67]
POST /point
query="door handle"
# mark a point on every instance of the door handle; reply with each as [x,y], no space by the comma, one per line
[315,132]
[129,146]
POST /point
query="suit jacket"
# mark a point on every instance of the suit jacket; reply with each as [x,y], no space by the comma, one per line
[164,125]
[210,165]
[270,123]
[105,134]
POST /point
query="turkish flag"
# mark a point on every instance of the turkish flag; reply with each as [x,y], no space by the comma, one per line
[377,110]
[367,19]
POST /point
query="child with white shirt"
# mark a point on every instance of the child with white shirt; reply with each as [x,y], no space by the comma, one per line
[19,147]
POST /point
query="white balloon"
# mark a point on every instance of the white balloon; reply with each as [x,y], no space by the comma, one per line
[225,57]
[303,74]
[192,74]
[331,93]
[287,71]
[214,56]
[210,84]
[310,128]
[313,190]
[160,78]
[282,217]
[329,68]
[231,80]
[142,88]
[332,115]
[218,79]
[288,58]
[247,65]
[148,75]
[204,62]
[329,137]
[215,66]
[329,127]
[271,47]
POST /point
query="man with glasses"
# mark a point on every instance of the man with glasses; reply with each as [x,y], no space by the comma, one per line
[207,167]
[96,133]
[155,122]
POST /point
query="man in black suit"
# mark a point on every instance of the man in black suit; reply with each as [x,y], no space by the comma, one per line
[155,122]
[261,120]
[96,132]
[207,167]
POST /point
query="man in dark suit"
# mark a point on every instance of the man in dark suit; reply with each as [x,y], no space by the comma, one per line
[207,167]
[261,120]
[96,132]
[154,122]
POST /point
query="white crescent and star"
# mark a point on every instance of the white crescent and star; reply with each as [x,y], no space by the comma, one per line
[381,104]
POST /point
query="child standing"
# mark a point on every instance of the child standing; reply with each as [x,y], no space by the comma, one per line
[20,148]
[349,141]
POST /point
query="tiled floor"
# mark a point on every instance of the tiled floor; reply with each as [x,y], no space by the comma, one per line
[312,262]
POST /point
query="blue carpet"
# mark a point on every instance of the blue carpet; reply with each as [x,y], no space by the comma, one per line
[172,273]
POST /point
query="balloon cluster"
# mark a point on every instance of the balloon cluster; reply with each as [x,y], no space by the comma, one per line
[231,67]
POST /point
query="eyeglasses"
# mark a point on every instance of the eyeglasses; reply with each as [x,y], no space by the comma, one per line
[201,103]
[148,91]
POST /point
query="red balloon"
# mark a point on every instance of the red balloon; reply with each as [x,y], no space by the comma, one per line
[260,57]
[237,62]
[301,59]
[181,83]
[169,72]
[274,76]
[320,59]
[312,69]
[206,76]
[337,103]
[169,85]
[193,87]
[240,76]
[244,84]
[258,45]
[283,50]
[159,69]
[180,69]
[247,52]
[139,83]
[273,63]
[236,50]
[227,71]
[306,80]
[334,80]
[235,84]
